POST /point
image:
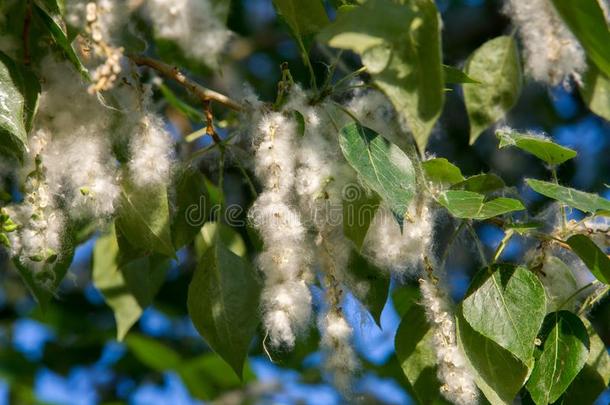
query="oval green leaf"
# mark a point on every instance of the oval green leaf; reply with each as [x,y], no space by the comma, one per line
[381,164]
[470,205]
[496,65]
[223,302]
[538,146]
[507,304]
[595,259]
[564,353]
[574,198]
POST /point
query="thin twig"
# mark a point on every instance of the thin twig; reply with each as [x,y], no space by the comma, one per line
[172,72]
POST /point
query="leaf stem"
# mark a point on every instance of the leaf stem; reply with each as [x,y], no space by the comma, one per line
[576,293]
[503,243]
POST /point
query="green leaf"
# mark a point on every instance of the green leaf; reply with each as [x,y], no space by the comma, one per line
[193,206]
[382,165]
[496,65]
[595,92]
[19,90]
[304,17]
[480,183]
[594,378]
[152,353]
[506,304]
[359,208]
[404,297]
[128,289]
[565,352]
[229,237]
[557,273]
[538,146]
[440,170]
[454,75]
[400,45]
[143,218]
[44,283]
[498,374]
[470,205]
[587,22]
[415,353]
[57,30]
[223,300]
[574,198]
[595,259]
[208,376]
[375,294]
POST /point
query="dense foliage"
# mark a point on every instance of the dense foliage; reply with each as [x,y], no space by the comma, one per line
[262,209]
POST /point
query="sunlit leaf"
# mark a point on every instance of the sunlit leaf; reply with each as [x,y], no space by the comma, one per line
[440,170]
[538,146]
[574,198]
[470,205]
[507,304]
[382,165]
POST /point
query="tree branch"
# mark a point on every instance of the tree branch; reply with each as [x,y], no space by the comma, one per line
[204,94]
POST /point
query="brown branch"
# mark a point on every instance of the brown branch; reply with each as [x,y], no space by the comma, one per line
[172,72]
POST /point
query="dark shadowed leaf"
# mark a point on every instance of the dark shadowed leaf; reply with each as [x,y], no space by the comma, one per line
[416,356]
[143,218]
[375,295]
[496,65]
[193,206]
[223,302]
[595,259]
[594,378]
[359,208]
[127,288]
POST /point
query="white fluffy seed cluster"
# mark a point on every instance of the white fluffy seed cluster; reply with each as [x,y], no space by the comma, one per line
[37,241]
[552,53]
[341,359]
[286,298]
[458,384]
[195,25]
[74,175]
[152,152]
[401,253]
[77,156]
